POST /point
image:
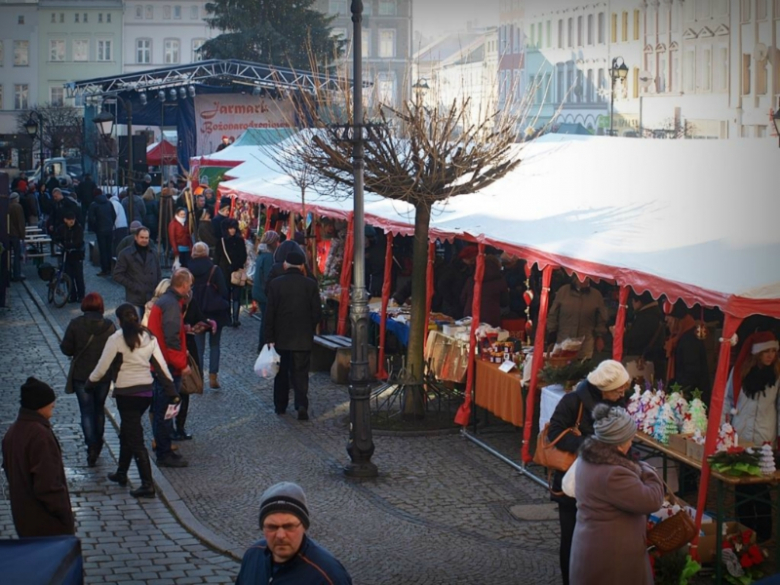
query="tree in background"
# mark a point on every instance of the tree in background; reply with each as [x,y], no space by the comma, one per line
[276,32]
[63,129]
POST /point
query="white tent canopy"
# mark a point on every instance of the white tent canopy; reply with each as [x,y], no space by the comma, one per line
[692,219]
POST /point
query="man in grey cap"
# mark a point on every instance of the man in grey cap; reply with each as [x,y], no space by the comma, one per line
[287,554]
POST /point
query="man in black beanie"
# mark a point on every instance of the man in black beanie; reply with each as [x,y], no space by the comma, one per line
[32,461]
[287,554]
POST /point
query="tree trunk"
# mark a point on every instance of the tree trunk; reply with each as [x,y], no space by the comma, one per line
[413,394]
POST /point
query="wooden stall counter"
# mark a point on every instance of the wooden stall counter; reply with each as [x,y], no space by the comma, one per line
[499,392]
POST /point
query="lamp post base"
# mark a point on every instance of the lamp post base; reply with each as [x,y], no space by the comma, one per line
[361,470]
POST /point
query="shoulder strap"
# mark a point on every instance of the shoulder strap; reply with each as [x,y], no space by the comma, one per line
[574,429]
[224,249]
[83,349]
[213,268]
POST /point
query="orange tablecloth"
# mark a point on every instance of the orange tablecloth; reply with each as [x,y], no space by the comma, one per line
[499,392]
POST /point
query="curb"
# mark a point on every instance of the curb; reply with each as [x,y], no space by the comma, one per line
[165,490]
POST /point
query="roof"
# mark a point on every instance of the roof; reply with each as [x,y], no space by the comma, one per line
[691,219]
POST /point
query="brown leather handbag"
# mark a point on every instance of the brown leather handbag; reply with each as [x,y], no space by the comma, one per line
[547,455]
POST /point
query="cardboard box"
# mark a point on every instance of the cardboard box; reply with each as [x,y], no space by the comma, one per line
[707,539]
[694,450]
[678,443]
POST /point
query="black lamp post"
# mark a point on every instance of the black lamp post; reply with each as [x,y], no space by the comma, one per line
[34,129]
[360,446]
[105,123]
[421,88]
[776,122]
[618,71]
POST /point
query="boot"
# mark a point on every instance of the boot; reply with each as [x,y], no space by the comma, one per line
[145,471]
[213,382]
[120,475]
[93,452]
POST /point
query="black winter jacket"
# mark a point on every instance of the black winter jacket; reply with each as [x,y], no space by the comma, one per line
[101,215]
[76,337]
[235,259]
[294,309]
[645,337]
[201,268]
[139,277]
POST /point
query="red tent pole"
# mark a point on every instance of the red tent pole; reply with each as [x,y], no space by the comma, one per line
[620,325]
[346,278]
[464,412]
[429,287]
[269,211]
[536,363]
[381,373]
[730,325]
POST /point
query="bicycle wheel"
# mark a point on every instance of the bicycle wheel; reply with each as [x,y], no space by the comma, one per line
[61,291]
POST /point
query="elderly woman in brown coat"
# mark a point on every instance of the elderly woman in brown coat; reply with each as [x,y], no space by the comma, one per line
[614,496]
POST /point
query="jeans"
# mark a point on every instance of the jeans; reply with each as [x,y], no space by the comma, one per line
[16,250]
[184,258]
[104,250]
[293,367]
[235,300]
[214,350]
[93,417]
[162,428]
[131,432]
[74,267]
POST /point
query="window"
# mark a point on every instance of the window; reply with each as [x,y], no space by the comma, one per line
[549,33]
[20,19]
[338,7]
[177,12]
[652,16]
[663,19]
[746,61]
[579,88]
[104,50]
[689,71]
[21,95]
[624,31]
[590,29]
[601,28]
[365,39]
[100,17]
[761,10]
[635,85]
[62,18]
[570,89]
[196,45]
[76,17]
[56,50]
[194,12]
[149,12]
[81,50]
[108,17]
[580,35]
[745,10]
[705,69]
[21,54]
[386,8]
[589,89]
[139,11]
[171,51]
[722,69]
[53,18]
[166,12]
[570,32]
[661,78]
[674,13]
[57,96]
[674,80]
[85,17]
[762,78]
[560,92]
[602,93]
[387,43]
[560,33]
[636,25]
[143,51]
[614,31]
[366,9]
[386,88]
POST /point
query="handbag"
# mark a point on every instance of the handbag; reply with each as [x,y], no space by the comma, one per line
[237,277]
[192,383]
[69,383]
[547,455]
[675,532]
[212,301]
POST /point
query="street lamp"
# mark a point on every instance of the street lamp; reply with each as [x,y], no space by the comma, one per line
[360,445]
[105,123]
[618,71]
[34,129]
[421,88]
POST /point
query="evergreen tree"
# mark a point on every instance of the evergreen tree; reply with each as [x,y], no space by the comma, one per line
[286,33]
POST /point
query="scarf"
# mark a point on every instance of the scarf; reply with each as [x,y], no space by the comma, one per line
[142,251]
[757,380]
[181,220]
[683,326]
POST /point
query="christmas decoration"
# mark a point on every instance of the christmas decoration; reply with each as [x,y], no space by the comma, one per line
[736,461]
[742,557]
[697,421]
[766,460]
[665,425]
[680,408]
[727,437]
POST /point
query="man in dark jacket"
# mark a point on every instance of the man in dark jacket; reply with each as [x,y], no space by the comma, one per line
[139,207]
[32,461]
[643,343]
[287,554]
[101,217]
[292,315]
[85,193]
[686,354]
[16,233]
[59,207]
[70,235]
[138,270]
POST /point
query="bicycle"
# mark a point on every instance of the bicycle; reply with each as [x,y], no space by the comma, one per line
[60,285]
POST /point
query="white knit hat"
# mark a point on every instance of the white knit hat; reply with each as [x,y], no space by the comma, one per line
[609,375]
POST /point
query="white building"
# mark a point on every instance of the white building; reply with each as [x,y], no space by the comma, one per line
[162,34]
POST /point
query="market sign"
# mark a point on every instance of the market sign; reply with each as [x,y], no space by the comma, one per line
[218,115]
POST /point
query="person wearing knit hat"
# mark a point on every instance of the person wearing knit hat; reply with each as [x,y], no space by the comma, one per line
[614,496]
[606,384]
[753,405]
[286,553]
[32,460]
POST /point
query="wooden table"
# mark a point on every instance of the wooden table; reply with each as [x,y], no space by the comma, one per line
[37,241]
[499,392]
[721,480]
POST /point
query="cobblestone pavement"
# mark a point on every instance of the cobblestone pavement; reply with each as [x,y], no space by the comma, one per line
[439,513]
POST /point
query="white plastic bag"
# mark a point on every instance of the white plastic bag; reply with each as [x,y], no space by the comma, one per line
[176,265]
[267,364]
[567,484]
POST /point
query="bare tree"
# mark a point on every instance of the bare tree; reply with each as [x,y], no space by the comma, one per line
[419,155]
[63,127]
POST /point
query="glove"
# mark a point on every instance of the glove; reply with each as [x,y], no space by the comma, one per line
[176,264]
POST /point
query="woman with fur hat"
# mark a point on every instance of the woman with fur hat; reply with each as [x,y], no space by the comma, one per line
[753,401]
[614,496]
[606,384]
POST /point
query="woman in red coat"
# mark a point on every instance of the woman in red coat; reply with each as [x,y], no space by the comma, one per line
[180,238]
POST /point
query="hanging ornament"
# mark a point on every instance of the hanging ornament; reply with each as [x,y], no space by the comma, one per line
[528,297]
[529,327]
[701,331]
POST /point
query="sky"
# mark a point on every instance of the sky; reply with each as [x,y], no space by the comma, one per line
[433,17]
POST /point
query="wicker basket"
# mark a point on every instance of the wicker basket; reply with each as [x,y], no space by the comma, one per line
[673,533]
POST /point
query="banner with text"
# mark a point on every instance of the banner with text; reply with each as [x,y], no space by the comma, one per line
[219,115]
